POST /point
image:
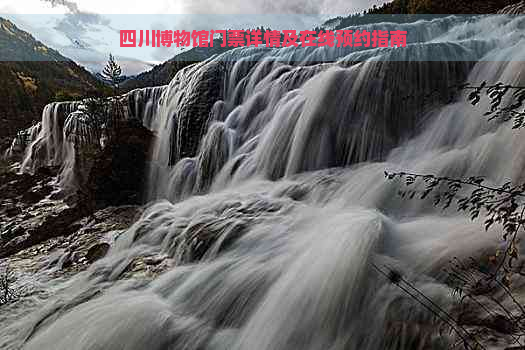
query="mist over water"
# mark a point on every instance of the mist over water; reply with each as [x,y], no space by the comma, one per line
[271,199]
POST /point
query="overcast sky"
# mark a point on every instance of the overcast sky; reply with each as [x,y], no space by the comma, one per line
[87,30]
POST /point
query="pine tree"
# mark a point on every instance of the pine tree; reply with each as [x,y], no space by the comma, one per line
[113,73]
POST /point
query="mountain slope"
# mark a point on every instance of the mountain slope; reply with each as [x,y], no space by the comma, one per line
[442,7]
[390,11]
[32,75]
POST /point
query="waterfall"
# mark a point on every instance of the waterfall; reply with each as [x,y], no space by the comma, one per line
[49,141]
[271,200]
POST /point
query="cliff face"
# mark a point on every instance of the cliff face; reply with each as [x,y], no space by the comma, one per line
[32,75]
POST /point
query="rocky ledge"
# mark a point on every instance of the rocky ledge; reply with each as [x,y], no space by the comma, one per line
[44,233]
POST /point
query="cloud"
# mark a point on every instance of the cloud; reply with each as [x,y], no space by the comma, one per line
[275,6]
[76,25]
[71,6]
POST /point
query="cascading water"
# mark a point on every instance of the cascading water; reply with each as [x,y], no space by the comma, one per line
[272,114]
[49,143]
[280,209]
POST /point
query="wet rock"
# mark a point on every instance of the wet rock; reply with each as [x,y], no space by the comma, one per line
[148,266]
[76,256]
[32,196]
[57,195]
[16,242]
[13,184]
[56,221]
[500,323]
[36,193]
[97,251]
[117,176]
[54,258]
[154,260]
[45,171]
[12,210]
[65,261]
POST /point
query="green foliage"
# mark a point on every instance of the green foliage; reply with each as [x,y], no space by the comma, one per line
[62,96]
[56,81]
[18,45]
[113,73]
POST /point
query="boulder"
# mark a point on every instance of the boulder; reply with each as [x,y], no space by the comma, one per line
[97,251]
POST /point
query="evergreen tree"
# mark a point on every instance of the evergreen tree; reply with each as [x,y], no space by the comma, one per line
[113,73]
